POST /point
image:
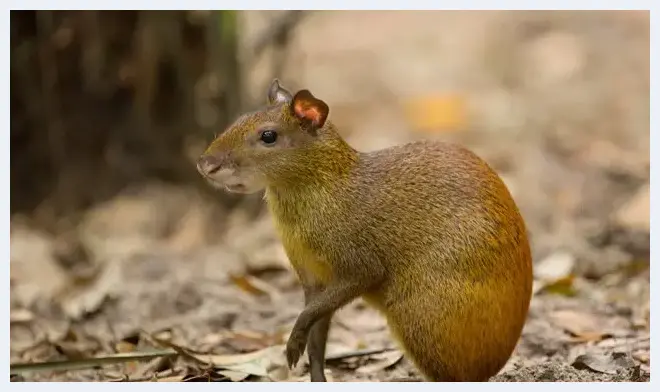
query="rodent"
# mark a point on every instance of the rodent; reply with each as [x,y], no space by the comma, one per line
[425,232]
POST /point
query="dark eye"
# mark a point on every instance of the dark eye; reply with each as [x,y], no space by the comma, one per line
[268,137]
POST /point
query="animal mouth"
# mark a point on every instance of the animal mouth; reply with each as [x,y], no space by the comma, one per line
[228,183]
[237,188]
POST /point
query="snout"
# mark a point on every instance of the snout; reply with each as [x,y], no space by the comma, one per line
[221,172]
[208,164]
[218,174]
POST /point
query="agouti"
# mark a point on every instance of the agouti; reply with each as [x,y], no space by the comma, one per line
[426,232]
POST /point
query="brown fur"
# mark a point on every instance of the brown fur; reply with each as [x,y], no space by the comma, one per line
[425,232]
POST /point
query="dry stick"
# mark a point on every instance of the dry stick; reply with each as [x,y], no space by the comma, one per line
[19,368]
[358,353]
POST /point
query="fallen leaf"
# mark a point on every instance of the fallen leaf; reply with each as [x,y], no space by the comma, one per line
[383,361]
[562,286]
[71,350]
[206,376]
[642,357]
[153,368]
[211,341]
[77,345]
[608,364]
[234,376]
[335,350]
[20,316]
[164,335]
[554,275]
[251,341]
[258,363]
[40,351]
[583,326]
[125,347]
[82,299]
[171,379]
[251,285]
[555,267]
[587,337]
[635,215]
[34,273]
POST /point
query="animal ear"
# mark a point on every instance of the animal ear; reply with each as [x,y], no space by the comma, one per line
[278,94]
[311,111]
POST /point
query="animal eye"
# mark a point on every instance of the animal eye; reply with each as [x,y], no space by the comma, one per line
[268,136]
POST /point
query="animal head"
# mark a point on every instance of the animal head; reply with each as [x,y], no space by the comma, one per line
[267,145]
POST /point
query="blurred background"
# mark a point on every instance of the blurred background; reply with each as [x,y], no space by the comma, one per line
[117,245]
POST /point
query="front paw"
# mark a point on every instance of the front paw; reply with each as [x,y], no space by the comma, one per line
[295,348]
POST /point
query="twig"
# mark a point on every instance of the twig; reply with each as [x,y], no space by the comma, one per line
[19,368]
[358,353]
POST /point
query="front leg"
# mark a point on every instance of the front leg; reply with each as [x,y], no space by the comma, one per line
[320,307]
[317,340]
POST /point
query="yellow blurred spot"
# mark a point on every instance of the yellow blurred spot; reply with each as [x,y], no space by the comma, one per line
[437,113]
[125,347]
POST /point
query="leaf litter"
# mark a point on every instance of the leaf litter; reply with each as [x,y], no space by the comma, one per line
[202,283]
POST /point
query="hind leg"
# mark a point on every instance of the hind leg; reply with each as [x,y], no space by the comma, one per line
[452,348]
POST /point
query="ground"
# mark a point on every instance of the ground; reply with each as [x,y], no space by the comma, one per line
[167,268]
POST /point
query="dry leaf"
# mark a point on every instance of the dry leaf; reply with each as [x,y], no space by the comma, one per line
[251,285]
[562,286]
[125,347]
[587,337]
[583,326]
[642,356]
[555,267]
[75,345]
[178,378]
[34,273]
[383,361]
[82,299]
[154,368]
[233,375]
[635,215]
[258,363]
[554,274]
[20,316]
[39,351]
[164,335]
[71,350]
[251,341]
[608,364]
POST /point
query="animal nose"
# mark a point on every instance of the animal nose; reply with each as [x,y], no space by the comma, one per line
[208,164]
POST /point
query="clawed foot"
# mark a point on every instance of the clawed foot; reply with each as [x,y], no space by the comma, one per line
[295,348]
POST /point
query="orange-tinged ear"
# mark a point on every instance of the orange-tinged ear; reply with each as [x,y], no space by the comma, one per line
[310,110]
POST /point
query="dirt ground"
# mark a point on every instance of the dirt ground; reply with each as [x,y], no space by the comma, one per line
[557,103]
